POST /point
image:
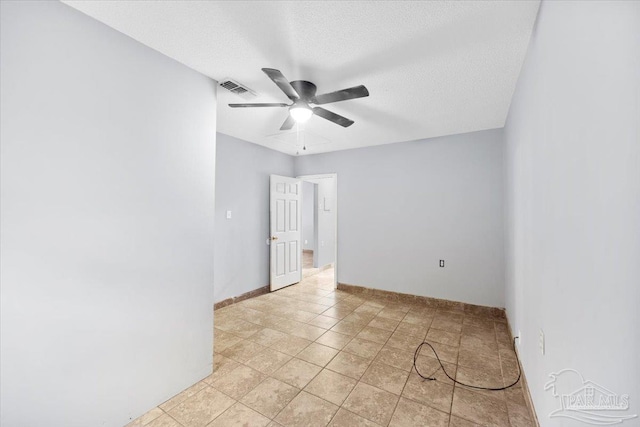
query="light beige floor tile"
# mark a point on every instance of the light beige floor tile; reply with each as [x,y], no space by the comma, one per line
[270,397]
[392,314]
[307,410]
[419,319]
[302,316]
[446,353]
[291,345]
[363,348]
[348,328]
[404,342]
[201,408]
[349,364]
[430,367]
[243,351]
[374,334]
[443,337]
[447,325]
[409,329]
[451,315]
[146,418]
[317,354]
[412,414]
[476,361]
[479,408]
[239,382]
[490,377]
[267,337]
[361,318]
[288,321]
[478,332]
[268,361]
[163,421]
[239,327]
[385,377]
[344,418]
[459,422]
[222,370]
[308,332]
[483,347]
[334,340]
[331,386]
[297,372]
[224,340]
[323,321]
[394,357]
[338,312]
[384,323]
[240,416]
[519,415]
[182,396]
[371,403]
[435,394]
[368,309]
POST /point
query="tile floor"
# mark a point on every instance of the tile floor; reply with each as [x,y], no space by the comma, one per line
[309,355]
[307,265]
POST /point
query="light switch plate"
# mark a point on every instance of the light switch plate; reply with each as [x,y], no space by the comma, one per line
[228,214]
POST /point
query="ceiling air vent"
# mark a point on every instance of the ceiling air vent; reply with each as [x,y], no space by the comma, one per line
[237,88]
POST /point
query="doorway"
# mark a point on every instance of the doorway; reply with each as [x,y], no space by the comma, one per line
[319,228]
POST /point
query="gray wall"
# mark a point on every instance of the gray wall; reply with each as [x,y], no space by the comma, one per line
[402,207]
[108,155]
[242,186]
[308,206]
[573,200]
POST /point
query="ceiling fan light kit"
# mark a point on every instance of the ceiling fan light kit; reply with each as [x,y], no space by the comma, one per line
[300,112]
[303,93]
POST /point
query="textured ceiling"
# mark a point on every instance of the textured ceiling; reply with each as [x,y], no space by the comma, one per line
[432,68]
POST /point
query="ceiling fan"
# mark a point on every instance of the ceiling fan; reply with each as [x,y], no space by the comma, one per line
[303,93]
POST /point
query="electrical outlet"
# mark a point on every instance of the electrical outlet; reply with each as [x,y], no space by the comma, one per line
[228,214]
[541,342]
[306,242]
[441,263]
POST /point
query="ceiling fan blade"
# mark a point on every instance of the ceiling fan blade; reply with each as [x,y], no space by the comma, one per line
[282,82]
[288,124]
[257,105]
[332,117]
[341,95]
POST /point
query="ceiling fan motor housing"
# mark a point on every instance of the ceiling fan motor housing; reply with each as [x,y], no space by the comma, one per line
[305,89]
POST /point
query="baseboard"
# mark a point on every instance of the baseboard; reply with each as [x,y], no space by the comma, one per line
[523,379]
[326,267]
[254,293]
[496,313]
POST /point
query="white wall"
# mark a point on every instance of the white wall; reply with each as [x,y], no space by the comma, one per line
[108,152]
[573,200]
[308,207]
[242,186]
[403,207]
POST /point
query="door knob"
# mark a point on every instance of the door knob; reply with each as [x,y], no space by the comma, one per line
[274,238]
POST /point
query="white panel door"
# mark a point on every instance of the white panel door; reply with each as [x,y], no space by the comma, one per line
[285,217]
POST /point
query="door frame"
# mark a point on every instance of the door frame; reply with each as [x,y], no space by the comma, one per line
[335,217]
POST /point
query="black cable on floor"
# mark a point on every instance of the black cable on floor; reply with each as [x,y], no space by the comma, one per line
[415,366]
